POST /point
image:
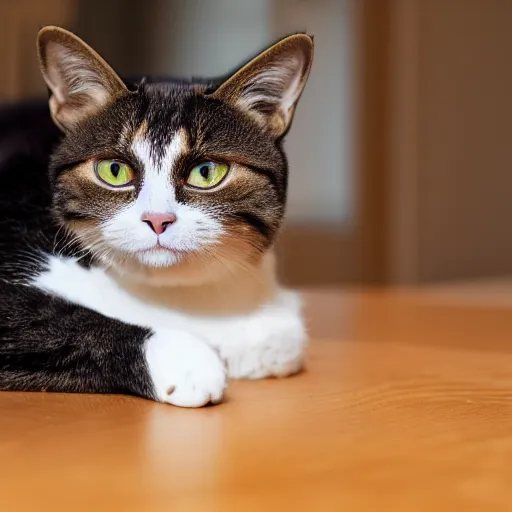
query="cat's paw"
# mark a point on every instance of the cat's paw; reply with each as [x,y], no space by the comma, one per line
[275,351]
[268,343]
[185,371]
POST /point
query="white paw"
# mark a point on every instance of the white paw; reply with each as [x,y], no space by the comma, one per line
[267,354]
[268,343]
[185,371]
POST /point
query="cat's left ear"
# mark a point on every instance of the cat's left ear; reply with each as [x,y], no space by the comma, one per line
[269,86]
[80,81]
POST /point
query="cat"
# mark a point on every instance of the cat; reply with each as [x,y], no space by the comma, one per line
[137,226]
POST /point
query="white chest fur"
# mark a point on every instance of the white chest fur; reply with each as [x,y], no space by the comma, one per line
[268,341]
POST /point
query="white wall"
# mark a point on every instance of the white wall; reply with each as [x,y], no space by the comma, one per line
[320,144]
[210,38]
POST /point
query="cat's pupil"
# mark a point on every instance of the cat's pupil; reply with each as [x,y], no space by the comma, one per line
[114,169]
[204,171]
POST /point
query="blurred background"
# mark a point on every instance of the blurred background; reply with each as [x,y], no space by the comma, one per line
[400,153]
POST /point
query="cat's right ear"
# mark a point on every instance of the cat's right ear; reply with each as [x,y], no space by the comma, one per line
[80,81]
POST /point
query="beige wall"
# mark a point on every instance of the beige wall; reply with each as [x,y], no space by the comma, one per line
[20,21]
[450,188]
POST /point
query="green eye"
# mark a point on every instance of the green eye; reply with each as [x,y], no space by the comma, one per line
[114,173]
[207,175]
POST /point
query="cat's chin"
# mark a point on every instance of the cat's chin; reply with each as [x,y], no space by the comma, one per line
[159,257]
[169,268]
[162,268]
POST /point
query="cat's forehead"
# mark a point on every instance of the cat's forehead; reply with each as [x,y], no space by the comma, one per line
[162,111]
[167,102]
[160,151]
[164,116]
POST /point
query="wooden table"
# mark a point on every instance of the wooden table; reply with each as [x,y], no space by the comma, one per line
[406,406]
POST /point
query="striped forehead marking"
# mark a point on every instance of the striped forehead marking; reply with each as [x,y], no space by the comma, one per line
[157,192]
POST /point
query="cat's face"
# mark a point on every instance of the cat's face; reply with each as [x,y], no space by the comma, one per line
[171,175]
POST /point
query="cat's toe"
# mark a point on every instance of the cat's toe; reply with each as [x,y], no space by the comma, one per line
[185,371]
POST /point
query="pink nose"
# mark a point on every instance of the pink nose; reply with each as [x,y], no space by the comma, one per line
[158,222]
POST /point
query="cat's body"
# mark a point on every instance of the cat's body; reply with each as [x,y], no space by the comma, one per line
[126,269]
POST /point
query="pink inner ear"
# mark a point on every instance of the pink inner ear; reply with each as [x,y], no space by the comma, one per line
[279,84]
[81,82]
[53,73]
[269,86]
[71,74]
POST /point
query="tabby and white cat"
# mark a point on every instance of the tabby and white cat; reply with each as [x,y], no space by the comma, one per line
[136,238]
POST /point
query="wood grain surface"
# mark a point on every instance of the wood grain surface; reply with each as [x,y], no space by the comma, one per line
[405,406]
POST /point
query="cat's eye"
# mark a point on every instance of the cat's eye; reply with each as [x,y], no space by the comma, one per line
[207,175]
[114,173]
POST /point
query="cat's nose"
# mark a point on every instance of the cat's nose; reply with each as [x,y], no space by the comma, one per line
[158,222]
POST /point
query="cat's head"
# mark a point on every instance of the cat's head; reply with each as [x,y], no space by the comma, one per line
[187,177]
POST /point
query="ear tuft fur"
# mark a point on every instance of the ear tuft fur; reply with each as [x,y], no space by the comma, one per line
[80,81]
[269,86]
